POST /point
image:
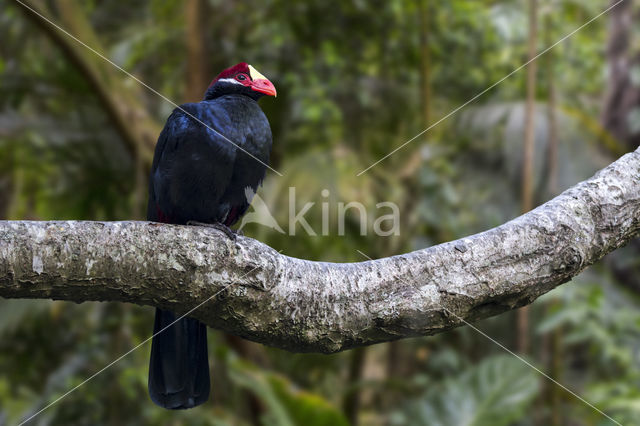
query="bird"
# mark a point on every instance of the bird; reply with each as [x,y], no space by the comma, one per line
[210,159]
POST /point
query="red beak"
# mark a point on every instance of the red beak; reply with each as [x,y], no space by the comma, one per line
[264,86]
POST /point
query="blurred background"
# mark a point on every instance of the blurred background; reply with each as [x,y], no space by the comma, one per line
[355,80]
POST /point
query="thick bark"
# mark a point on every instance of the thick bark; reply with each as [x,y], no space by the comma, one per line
[302,305]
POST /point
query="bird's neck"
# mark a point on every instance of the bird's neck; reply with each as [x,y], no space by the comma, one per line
[214,92]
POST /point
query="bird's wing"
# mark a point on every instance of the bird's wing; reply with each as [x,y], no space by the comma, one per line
[191,163]
[248,174]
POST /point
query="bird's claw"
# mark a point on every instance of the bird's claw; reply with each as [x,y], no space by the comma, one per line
[230,233]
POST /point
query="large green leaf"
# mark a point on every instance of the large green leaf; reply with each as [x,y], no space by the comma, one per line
[495,392]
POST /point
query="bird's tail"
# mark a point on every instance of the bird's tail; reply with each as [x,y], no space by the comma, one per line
[179,367]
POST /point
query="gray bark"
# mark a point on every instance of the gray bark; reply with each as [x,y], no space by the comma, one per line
[305,306]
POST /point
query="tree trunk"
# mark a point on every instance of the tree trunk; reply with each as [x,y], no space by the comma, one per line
[394,351]
[623,95]
[552,117]
[121,103]
[425,62]
[523,338]
[552,340]
[198,72]
[351,403]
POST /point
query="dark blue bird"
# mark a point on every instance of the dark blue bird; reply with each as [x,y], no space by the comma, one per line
[200,175]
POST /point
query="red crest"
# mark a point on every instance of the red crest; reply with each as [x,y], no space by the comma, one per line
[232,71]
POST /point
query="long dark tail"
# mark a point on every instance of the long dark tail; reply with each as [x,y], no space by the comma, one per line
[179,367]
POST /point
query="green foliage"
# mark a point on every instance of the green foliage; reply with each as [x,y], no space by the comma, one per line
[286,406]
[600,323]
[17,311]
[496,392]
[350,76]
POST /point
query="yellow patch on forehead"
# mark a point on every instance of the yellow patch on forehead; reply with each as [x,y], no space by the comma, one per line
[255,75]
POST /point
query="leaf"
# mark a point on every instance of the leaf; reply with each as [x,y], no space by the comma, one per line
[285,404]
[495,392]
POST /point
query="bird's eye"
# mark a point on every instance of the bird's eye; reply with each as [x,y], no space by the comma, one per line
[241,77]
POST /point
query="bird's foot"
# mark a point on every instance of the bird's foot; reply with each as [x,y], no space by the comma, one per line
[230,233]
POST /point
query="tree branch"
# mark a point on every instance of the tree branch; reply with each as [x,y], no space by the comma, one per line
[304,306]
[121,103]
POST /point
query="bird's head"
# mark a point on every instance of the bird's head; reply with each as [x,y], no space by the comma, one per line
[242,79]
